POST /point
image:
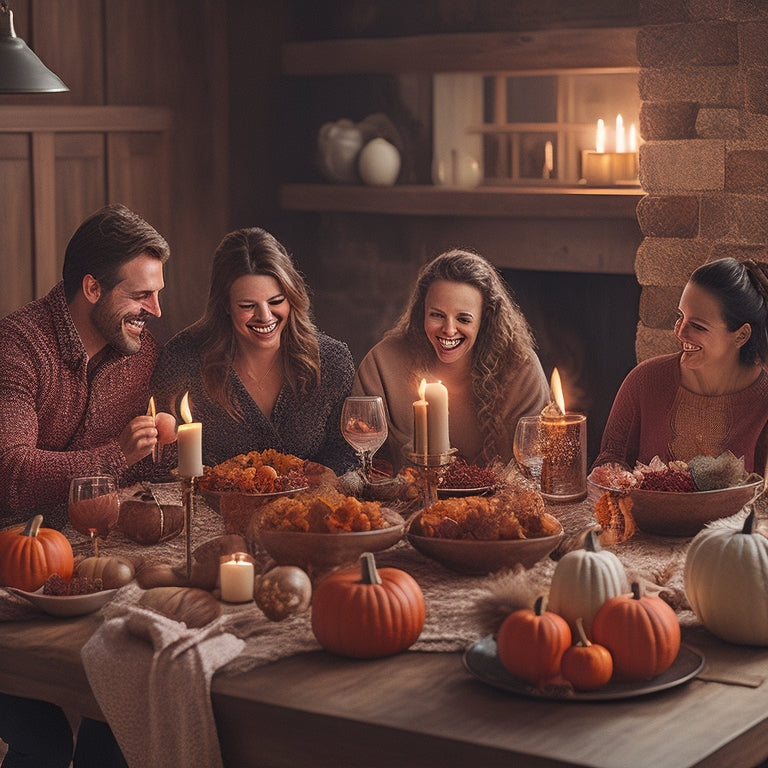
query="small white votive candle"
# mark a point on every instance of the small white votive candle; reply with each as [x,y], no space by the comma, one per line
[236,577]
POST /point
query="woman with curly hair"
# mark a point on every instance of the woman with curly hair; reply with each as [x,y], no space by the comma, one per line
[461,327]
[258,372]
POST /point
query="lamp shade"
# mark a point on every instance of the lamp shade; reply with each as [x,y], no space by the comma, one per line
[20,70]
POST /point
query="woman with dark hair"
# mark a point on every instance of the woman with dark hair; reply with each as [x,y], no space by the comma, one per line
[258,372]
[711,396]
[461,327]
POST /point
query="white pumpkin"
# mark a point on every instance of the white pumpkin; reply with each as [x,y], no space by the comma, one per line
[726,582]
[583,580]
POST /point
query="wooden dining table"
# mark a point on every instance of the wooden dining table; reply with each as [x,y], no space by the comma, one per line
[424,708]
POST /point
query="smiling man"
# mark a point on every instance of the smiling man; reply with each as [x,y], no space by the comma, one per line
[75,367]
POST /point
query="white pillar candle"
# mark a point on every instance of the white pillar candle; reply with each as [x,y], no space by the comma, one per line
[236,578]
[600,136]
[420,428]
[436,396]
[189,440]
[620,142]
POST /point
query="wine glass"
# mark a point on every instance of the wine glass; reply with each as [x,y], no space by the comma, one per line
[364,427]
[94,507]
[527,447]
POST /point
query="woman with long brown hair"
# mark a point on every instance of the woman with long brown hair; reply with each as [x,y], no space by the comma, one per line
[461,327]
[258,372]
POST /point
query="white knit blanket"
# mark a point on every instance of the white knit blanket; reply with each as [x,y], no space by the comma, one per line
[152,677]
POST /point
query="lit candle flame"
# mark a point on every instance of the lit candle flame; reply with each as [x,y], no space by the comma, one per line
[557,390]
[186,414]
[620,140]
[600,136]
[422,389]
[151,411]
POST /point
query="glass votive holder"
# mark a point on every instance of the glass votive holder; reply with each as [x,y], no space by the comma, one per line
[564,457]
[236,577]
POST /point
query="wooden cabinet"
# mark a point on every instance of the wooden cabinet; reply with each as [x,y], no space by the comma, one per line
[57,166]
[605,50]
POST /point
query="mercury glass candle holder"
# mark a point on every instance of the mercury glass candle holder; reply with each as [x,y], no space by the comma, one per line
[564,457]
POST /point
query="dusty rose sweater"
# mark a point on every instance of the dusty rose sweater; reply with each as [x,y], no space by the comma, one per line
[652,409]
[59,420]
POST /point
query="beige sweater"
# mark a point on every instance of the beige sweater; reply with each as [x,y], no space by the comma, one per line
[391,370]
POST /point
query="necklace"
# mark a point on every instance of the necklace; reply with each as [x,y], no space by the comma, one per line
[260,383]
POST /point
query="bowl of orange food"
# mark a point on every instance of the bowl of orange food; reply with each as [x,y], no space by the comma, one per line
[238,486]
[480,534]
[318,531]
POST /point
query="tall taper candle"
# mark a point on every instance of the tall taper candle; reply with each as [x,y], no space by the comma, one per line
[439,440]
[190,443]
[420,427]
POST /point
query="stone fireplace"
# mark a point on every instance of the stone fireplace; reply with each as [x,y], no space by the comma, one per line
[704,166]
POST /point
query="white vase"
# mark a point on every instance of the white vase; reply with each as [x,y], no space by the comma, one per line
[379,163]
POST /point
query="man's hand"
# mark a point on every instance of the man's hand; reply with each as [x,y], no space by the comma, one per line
[140,435]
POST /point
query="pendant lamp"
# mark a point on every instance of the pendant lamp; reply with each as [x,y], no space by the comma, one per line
[20,70]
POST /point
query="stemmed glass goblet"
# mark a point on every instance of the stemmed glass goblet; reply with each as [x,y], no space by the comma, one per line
[364,427]
[94,507]
[527,447]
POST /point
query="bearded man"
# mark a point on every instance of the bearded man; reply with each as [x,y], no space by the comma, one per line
[75,367]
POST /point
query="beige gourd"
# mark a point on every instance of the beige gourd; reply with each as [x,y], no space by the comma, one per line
[583,580]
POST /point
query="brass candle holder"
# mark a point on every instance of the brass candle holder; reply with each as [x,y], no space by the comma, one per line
[188,499]
[431,467]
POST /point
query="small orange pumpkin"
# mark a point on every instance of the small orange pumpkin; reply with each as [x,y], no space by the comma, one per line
[586,666]
[531,643]
[29,554]
[641,632]
[366,613]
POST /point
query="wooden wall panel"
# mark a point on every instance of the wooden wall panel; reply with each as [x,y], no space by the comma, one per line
[80,185]
[15,222]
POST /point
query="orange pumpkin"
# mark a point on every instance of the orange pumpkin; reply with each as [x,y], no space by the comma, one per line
[531,643]
[366,613]
[586,666]
[29,554]
[640,631]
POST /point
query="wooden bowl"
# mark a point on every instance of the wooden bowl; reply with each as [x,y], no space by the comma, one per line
[669,513]
[474,557]
[320,551]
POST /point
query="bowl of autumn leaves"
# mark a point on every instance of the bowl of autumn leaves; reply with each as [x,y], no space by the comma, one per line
[675,499]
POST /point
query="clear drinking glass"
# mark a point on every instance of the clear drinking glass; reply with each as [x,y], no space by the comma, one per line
[528,448]
[364,427]
[94,507]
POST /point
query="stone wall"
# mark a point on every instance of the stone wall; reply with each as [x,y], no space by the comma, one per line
[704,164]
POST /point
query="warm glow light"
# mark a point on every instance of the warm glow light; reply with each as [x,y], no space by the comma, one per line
[422,389]
[620,143]
[632,138]
[600,137]
[186,414]
[557,390]
[151,408]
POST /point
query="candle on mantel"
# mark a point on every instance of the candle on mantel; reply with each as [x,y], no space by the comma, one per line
[438,439]
[236,578]
[600,136]
[564,437]
[549,160]
[190,442]
[632,138]
[620,137]
[420,430]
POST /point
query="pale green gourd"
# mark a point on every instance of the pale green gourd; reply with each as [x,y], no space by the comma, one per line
[583,580]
